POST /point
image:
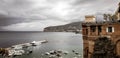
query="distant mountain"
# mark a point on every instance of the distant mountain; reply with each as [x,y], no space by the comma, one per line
[71,27]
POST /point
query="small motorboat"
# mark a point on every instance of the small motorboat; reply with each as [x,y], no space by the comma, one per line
[44,41]
[15,52]
[34,43]
[76,53]
[65,52]
[29,52]
[16,47]
[26,45]
[47,53]
[73,51]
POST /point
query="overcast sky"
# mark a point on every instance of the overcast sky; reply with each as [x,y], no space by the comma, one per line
[34,15]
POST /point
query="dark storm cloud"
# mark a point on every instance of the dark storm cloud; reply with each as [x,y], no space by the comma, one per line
[12,11]
[37,14]
[6,20]
[11,4]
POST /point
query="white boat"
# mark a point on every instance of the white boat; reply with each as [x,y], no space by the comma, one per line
[10,52]
[17,47]
[47,53]
[13,52]
[44,41]
[18,50]
[26,45]
[35,43]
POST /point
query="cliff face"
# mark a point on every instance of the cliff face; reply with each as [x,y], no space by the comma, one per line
[72,27]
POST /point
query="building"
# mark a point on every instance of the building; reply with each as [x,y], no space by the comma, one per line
[90,18]
[102,40]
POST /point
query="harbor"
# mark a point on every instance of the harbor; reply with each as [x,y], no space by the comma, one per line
[20,49]
[54,44]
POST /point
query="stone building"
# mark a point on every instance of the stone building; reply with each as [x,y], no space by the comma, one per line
[90,18]
[102,40]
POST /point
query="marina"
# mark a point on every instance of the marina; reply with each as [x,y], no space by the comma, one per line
[68,45]
[20,49]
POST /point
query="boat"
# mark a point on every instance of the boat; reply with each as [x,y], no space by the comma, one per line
[44,41]
[20,49]
[13,52]
[35,43]
[26,45]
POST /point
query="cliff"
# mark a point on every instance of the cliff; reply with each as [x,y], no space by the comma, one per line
[71,27]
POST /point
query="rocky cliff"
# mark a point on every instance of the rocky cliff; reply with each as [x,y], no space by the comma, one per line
[71,27]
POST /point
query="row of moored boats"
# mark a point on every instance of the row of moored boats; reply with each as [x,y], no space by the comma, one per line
[20,49]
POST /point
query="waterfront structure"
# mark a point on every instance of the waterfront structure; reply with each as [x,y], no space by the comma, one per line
[90,18]
[102,39]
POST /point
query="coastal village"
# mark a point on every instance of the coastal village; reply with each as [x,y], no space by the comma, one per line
[102,39]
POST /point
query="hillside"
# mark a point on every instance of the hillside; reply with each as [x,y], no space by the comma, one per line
[71,27]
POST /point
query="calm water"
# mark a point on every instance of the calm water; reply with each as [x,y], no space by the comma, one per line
[57,40]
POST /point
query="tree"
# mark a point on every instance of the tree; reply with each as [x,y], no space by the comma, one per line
[104,48]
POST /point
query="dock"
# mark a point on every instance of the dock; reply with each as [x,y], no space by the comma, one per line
[20,49]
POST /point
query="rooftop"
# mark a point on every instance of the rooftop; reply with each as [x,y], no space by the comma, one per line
[100,23]
[90,16]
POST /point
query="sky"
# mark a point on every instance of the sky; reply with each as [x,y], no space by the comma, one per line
[35,15]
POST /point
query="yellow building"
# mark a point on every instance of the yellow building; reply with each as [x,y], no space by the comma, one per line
[90,18]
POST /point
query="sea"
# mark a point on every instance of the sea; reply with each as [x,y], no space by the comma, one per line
[66,41]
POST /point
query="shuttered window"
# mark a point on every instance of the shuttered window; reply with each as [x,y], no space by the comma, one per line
[110,29]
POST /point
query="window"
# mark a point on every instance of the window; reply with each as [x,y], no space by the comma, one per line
[110,29]
[99,29]
[93,28]
[86,31]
